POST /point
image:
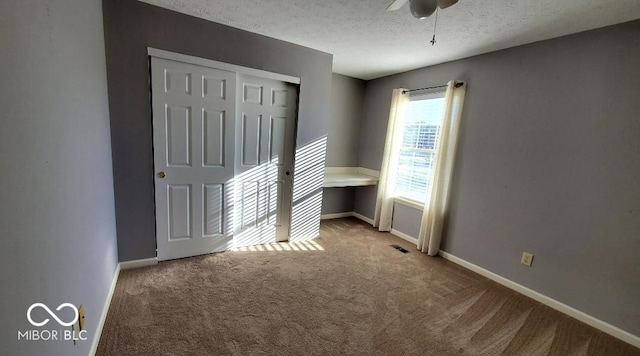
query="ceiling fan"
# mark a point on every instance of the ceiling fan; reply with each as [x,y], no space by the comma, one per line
[421,9]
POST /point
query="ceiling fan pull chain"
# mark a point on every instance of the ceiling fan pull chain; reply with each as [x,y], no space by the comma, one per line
[433,40]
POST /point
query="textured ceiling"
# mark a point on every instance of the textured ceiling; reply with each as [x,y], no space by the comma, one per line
[368,42]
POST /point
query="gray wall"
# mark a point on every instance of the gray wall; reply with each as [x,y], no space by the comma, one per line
[406,219]
[56,196]
[131,27]
[548,162]
[347,95]
[338,200]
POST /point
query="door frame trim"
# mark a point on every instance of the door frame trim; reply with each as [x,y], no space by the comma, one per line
[160,53]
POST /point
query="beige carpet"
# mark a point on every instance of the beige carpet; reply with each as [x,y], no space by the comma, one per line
[347,292]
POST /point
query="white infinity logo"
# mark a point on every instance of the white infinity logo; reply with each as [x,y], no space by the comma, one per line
[63,305]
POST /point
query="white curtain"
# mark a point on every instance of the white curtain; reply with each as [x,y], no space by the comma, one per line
[384,202]
[436,207]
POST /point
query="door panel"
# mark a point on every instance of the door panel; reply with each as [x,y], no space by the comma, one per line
[263,205]
[251,136]
[276,140]
[180,210]
[214,88]
[274,201]
[178,121]
[213,123]
[177,82]
[252,93]
[194,149]
[213,209]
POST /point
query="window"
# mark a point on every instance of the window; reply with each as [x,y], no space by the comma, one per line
[420,132]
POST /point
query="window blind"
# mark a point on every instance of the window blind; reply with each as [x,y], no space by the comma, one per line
[420,132]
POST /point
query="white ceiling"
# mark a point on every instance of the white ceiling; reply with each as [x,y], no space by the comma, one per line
[368,42]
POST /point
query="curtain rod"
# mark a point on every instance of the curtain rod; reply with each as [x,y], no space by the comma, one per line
[457,85]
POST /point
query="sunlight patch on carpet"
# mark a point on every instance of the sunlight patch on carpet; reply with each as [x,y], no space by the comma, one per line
[308,246]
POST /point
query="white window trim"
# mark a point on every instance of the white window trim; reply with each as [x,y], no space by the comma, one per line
[411,203]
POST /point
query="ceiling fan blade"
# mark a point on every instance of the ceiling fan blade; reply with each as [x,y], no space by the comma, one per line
[397,4]
[421,9]
[443,4]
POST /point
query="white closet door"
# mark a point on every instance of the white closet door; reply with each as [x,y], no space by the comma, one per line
[193,136]
[265,131]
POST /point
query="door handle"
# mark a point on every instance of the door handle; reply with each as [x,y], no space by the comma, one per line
[287,172]
[162,174]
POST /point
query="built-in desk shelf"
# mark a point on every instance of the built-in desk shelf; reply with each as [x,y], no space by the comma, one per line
[349,177]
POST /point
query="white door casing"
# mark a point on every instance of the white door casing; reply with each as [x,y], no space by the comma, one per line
[265,132]
[194,133]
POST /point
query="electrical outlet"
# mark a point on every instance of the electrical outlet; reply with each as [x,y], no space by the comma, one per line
[527,259]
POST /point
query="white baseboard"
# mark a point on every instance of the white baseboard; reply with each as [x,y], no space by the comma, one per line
[404,236]
[336,215]
[363,218]
[345,215]
[138,263]
[559,306]
[105,311]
